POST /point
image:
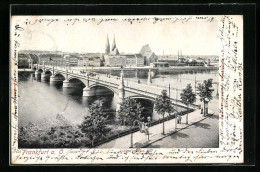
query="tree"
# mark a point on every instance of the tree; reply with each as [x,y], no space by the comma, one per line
[130,113]
[188,97]
[205,91]
[96,109]
[163,105]
[94,125]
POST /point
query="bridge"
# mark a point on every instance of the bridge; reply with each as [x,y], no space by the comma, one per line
[92,81]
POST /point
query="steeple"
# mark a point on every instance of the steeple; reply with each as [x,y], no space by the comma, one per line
[114,50]
[107,48]
[117,52]
[114,44]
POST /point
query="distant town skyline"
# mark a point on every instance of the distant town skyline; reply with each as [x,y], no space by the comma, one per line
[192,38]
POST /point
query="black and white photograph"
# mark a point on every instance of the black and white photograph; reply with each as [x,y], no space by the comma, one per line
[124,82]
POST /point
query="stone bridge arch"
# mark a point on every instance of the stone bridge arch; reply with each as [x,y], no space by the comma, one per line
[45,75]
[143,97]
[74,82]
[59,73]
[148,104]
[98,89]
[48,71]
[57,77]
[40,70]
[104,86]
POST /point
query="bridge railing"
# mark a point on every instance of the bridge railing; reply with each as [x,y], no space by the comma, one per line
[151,90]
[109,77]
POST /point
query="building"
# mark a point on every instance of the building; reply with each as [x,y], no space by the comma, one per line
[134,60]
[208,62]
[71,60]
[182,60]
[52,59]
[148,54]
[115,60]
[113,57]
[172,60]
[92,59]
[159,64]
[128,60]
[114,49]
[95,61]
[82,61]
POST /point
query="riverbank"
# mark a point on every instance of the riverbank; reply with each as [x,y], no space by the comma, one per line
[186,68]
[171,68]
[143,71]
[155,133]
[61,133]
[26,70]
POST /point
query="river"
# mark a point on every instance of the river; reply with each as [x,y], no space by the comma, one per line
[40,100]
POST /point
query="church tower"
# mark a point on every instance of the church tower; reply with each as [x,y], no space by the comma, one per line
[114,44]
[114,50]
[107,48]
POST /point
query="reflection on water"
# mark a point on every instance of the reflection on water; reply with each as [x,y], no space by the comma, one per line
[40,100]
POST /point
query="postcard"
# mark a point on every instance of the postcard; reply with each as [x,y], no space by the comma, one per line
[118,89]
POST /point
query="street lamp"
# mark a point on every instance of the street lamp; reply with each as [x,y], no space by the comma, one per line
[148,123]
[110,71]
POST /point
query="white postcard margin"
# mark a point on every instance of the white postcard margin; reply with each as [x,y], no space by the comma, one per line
[231,131]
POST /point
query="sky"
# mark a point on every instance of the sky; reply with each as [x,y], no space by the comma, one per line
[194,37]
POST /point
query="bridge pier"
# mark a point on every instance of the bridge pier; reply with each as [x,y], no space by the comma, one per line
[37,75]
[67,84]
[43,77]
[53,79]
[87,92]
[152,74]
[121,93]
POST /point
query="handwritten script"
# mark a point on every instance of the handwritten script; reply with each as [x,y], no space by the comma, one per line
[130,20]
[230,101]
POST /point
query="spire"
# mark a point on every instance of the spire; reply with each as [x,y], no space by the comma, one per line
[116,51]
[114,44]
[107,48]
